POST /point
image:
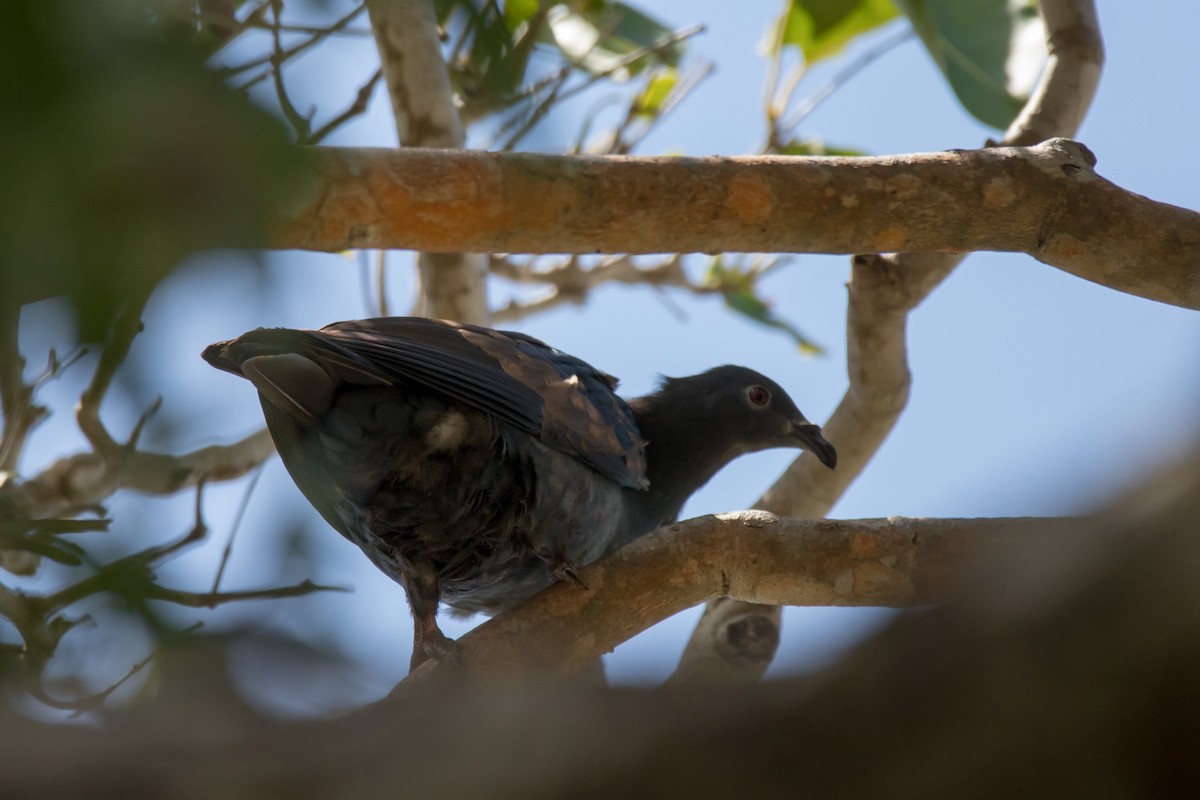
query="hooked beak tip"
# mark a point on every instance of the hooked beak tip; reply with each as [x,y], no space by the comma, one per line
[809,437]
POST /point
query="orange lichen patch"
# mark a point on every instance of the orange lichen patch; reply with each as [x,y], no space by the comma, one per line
[873,579]
[998,193]
[750,197]
[1065,246]
[864,545]
[443,196]
[904,186]
[891,239]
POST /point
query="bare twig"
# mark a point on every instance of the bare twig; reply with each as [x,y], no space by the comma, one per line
[357,108]
[301,125]
[291,52]
[21,414]
[233,529]
[570,282]
[813,101]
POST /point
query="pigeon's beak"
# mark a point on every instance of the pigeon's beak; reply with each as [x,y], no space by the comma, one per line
[808,436]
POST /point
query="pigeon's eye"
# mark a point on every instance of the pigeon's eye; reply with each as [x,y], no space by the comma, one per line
[758,396]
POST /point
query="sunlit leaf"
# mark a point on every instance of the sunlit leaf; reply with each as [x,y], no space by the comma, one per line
[600,35]
[739,289]
[816,147]
[991,51]
[657,90]
[821,28]
[517,12]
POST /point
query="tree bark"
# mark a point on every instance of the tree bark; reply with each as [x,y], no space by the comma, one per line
[1044,200]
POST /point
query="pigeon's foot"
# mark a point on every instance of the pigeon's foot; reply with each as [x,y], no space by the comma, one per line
[429,642]
[563,570]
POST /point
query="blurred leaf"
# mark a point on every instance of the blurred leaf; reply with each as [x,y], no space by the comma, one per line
[821,28]
[816,147]
[991,51]
[657,90]
[598,34]
[518,11]
[122,153]
[739,288]
[490,76]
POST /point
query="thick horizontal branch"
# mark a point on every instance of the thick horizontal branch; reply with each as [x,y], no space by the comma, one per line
[752,556]
[1044,200]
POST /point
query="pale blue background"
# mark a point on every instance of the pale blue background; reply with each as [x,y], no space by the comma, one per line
[1034,392]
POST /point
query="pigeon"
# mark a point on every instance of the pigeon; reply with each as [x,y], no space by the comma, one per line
[475,466]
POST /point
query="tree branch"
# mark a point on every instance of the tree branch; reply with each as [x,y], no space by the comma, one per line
[453,284]
[84,480]
[883,290]
[1045,201]
[1085,649]
[750,555]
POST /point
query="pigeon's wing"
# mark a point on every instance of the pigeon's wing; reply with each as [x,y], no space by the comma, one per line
[563,401]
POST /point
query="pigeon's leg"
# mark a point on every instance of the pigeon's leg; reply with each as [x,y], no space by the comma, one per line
[421,586]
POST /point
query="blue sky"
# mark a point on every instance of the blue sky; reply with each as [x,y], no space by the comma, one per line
[1034,392]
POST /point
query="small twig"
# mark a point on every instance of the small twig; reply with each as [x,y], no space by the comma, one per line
[140,560]
[381,284]
[212,600]
[291,52]
[837,81]
[300,124]
[359,107]
[570,283]
[237,524]
[559,94]
[127,325]
[136,434]
[642,125]
[92,702]
[21,414]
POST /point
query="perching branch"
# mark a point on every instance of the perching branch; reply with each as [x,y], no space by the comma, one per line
[751,556]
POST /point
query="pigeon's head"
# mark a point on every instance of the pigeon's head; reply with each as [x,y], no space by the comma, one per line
[750,409]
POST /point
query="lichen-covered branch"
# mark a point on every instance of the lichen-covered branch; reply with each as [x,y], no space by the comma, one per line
[1045,200]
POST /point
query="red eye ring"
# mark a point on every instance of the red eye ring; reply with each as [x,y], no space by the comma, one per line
[758,396]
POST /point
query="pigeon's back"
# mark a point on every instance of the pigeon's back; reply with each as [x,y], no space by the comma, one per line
[478,457]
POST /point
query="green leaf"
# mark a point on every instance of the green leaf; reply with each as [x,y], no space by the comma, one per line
[599,35]
[816,147]
[991,51]
[657,90]
[739,289]
[517,12]
[821,28]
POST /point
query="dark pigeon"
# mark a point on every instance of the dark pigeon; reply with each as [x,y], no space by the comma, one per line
[476,466]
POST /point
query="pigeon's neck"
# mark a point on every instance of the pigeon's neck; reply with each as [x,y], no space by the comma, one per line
[685,447]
